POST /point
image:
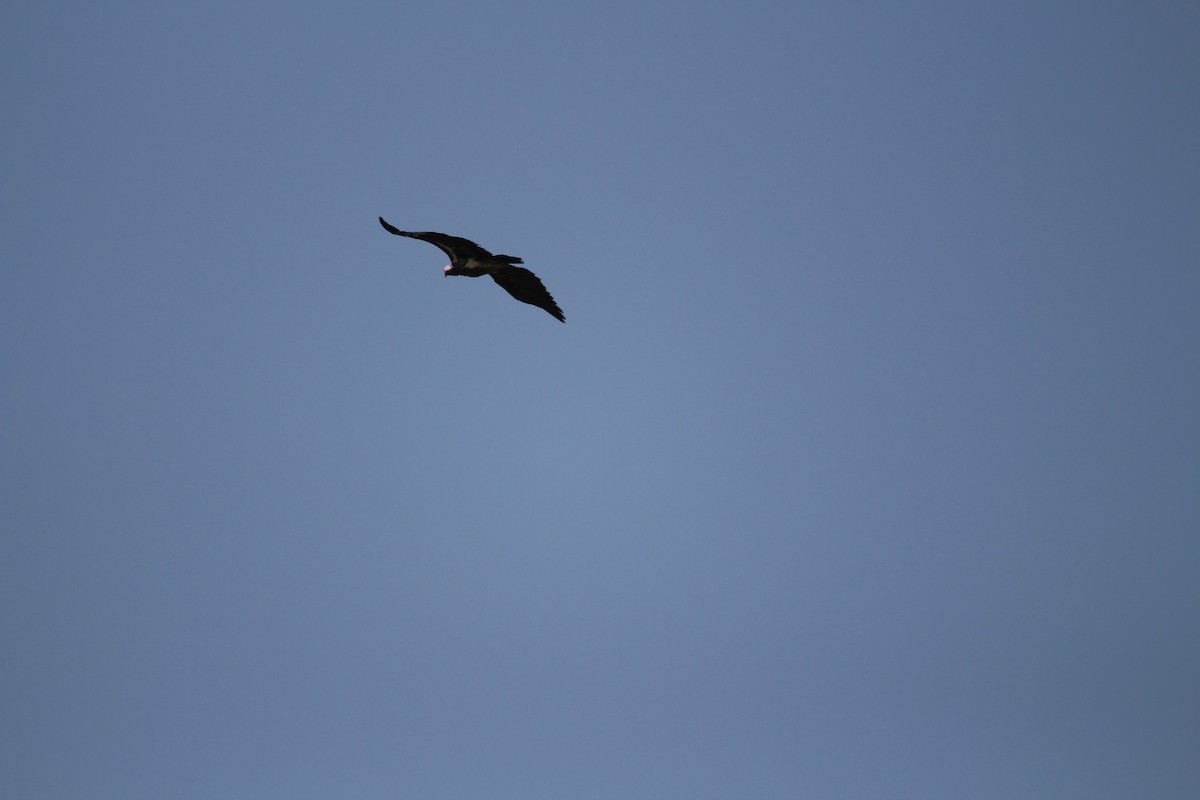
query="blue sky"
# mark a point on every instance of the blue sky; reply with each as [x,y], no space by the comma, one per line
[867,464]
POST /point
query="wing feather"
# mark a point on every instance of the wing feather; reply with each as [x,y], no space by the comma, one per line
[528,288]
[454,246]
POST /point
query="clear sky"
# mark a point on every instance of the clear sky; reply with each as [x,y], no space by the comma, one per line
[867,464]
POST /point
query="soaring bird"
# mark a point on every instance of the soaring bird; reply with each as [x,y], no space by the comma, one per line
[468,258]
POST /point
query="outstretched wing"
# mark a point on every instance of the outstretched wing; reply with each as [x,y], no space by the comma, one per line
[455,247]
[528,288]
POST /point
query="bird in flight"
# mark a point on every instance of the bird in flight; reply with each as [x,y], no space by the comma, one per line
[468,258]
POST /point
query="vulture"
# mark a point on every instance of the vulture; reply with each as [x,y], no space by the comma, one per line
[468,258]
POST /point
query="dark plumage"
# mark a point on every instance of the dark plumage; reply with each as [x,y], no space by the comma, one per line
[468,258]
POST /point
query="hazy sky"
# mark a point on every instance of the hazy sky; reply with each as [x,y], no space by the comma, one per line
[867,464]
